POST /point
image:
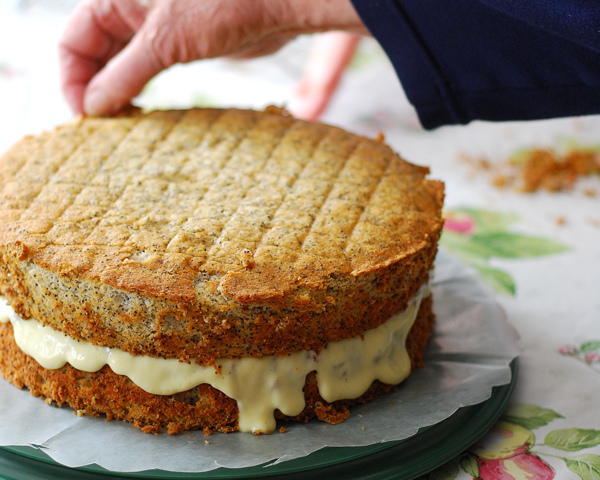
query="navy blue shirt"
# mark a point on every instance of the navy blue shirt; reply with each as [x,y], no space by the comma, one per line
[461,60]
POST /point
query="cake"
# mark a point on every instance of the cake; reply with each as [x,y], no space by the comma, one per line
[213,269]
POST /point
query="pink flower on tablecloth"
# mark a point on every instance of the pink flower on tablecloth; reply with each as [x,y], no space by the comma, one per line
[526,466]
[459,223]
[569,350]
[593,357]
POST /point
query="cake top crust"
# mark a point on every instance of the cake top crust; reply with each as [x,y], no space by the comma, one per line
[250,205]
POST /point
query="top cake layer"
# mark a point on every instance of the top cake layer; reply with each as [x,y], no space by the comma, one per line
[209,233]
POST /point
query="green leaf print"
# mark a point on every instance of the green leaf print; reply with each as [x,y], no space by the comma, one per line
[479,236]
[501,281]
[572,439]
[586,466]
[514,245]
[589,347]
[469,464]
[463,247]
[530,416]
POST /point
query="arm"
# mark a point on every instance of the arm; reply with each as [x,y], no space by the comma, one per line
[462,60]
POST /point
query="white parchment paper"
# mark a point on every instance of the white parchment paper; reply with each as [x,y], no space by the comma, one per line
[470,352]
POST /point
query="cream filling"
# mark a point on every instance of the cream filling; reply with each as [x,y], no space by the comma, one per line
[345,369]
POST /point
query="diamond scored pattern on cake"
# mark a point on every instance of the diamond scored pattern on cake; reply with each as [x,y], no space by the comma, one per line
[209,184]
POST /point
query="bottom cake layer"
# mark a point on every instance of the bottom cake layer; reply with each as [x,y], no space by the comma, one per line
[105,393]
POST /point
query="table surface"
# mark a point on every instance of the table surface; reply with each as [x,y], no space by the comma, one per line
[540,251]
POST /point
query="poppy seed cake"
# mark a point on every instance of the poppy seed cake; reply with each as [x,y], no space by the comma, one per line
[206,268]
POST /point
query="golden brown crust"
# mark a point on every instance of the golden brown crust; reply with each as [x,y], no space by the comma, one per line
[105,393]
[209,233]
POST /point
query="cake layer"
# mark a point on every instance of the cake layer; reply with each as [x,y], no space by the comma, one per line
[344,369]
[104,392]
[208,234]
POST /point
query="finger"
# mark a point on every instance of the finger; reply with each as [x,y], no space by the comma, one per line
[95,31]
[329,58]
[121,79]
[166,37]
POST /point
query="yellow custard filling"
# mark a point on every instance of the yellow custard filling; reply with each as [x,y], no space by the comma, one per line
[345,369]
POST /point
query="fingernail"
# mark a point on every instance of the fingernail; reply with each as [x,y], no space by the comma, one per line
[96,103]
[297,106]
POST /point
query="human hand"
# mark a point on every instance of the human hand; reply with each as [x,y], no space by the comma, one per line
[328,59]
[111,48]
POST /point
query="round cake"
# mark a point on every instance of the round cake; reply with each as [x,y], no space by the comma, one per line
[213,269]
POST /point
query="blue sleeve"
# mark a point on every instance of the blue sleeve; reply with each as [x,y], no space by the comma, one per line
[461,60]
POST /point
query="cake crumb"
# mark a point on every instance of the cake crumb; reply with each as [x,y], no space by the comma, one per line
[282,430]
[500,181]
[561,220]
[541,169]
[594,222]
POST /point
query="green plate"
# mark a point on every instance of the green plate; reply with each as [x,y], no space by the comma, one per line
[407,459]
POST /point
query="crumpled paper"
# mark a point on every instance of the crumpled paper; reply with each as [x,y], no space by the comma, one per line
[469,353]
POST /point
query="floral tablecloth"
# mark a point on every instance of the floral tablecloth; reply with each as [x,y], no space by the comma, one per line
[540,251]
